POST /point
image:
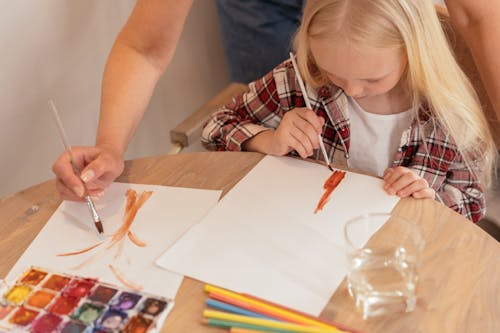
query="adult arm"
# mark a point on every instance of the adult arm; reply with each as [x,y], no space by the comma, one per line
[141,53]
[478,21]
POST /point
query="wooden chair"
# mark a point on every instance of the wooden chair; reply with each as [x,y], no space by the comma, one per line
[189,130]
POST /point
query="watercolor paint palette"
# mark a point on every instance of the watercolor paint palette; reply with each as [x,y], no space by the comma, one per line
[42,302]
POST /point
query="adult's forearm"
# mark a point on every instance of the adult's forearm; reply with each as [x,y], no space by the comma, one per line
[141,53]
[478,22]
[128,84]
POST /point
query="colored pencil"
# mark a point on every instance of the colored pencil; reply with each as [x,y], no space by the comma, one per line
[253,307]
[266,323]
[266,308]
[328,323]
[243,330]
[232,325]
[222,306]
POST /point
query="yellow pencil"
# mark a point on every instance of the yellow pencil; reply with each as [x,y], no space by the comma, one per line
[244,330]
[298,318]
[266,323]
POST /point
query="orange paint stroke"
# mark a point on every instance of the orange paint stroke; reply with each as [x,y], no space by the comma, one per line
[135,240]
[119,250]
[120,278]
[330,184]
[130,214]
[79,251]
[131,196]
[86,261]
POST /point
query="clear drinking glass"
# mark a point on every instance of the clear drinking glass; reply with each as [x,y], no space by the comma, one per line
[382,269]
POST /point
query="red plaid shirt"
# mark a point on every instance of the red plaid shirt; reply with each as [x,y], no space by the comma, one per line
[425,147]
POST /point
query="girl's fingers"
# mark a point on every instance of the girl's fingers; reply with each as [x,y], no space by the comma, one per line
[387,173]
[415,186]
[392,176]
[296,133]
[314,120]
[301,143]
[425,193]
[299,130]
[404,182]
[304,132]
[399,179]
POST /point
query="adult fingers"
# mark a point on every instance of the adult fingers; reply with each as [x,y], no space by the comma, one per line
[65,174]
[66,193]
[101,171]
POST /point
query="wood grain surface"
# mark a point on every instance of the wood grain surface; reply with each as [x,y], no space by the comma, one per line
[459,288]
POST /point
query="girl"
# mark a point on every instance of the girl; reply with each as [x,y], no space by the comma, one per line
[388,98]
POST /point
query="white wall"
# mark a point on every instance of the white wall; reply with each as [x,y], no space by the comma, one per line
[57,48]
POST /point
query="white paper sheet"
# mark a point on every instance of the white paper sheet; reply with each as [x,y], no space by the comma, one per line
[165,216]
[264,239]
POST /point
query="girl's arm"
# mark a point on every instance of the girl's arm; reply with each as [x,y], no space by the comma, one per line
[462,192]
[454,184]
[242,119]
[260,109]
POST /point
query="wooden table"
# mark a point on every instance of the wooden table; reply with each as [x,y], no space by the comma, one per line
[459,289]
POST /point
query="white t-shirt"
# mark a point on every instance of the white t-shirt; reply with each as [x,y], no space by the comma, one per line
[374,138]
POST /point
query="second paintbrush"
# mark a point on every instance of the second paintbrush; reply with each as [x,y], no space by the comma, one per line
[88,199]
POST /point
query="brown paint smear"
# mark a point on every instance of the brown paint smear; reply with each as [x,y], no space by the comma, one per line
[330,184]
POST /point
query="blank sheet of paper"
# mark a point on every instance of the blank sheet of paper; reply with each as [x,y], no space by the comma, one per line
[164,217]
[264,239]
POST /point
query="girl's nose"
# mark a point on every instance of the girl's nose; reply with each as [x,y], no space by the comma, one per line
[352,88]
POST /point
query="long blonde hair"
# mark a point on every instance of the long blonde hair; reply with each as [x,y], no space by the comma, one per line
[432,74]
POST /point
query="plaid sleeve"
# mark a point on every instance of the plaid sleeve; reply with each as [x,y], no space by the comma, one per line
[462,192]
[439,162]
[259,109]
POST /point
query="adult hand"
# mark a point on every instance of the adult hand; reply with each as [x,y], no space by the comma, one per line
[404,182]
[99,167]
[298,130]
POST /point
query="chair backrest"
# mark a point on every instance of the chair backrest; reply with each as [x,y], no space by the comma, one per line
[466,62]
[188,131]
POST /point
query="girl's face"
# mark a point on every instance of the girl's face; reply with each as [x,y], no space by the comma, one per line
[361,71]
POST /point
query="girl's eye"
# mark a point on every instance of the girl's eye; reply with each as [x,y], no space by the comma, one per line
[372,81]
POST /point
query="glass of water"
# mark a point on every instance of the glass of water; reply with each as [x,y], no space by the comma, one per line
[383,253]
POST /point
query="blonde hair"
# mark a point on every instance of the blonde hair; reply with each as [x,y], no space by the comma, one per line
[432,74]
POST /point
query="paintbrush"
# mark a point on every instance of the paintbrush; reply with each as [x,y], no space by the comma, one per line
[308,105]
[64,139]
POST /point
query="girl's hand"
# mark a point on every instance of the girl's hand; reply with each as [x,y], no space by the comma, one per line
[298,130]
[404,182]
